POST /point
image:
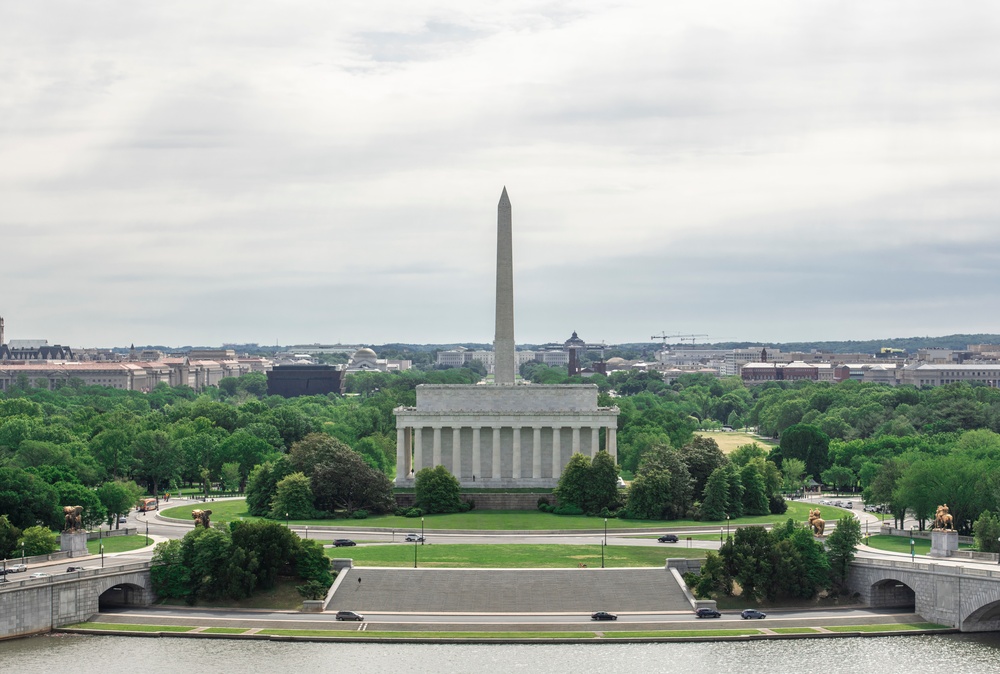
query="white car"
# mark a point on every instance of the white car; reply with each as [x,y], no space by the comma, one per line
[39,574]
[16,568]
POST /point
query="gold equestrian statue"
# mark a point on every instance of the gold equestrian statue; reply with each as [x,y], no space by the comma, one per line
[943,520]
[816,522]
[201,517]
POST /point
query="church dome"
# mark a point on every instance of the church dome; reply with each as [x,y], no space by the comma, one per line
[364,353]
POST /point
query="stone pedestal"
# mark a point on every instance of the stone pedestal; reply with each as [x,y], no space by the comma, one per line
[944,543]
[73,542]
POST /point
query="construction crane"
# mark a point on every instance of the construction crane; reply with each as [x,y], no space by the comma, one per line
[682,338]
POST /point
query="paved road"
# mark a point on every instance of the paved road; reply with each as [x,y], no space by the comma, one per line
[147,614]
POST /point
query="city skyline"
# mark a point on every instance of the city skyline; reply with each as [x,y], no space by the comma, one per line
[329,173]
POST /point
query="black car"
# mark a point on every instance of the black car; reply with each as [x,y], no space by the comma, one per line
[667,538]
[343,543]
[603,615]
[349,615]
[707,613]
[752,613]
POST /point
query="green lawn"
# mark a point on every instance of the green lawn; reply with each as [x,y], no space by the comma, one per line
[116,544]
[125,627]
[681,633]
[224,630]
[921,546]
[793,630]
[510,556]
[503,520]
[282,597]
[893,627]
[430,634]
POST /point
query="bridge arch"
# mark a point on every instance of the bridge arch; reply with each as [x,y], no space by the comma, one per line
[891,592]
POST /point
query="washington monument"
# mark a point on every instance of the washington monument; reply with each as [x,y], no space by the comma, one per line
[505,361]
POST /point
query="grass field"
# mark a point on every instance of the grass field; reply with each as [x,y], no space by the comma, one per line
[504,520]
[116,544]
[921,546]
[282,597]
[730,440]
[511,556]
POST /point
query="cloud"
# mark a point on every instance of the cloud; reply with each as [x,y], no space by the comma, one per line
[192,173]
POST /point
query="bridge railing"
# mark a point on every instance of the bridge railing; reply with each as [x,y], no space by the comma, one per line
[108,570]
[927,566]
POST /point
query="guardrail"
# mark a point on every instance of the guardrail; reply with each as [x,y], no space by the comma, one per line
[23,579]
[945,569]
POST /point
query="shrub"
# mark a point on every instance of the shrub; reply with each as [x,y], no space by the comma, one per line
[360,514]
[414,512]
[542,500]
[777,505]
[399,512]
[568,509]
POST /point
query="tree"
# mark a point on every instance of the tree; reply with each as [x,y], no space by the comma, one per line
[158,459]
[572,487]
[72,494]
[27,500]
[987,532]
[841,547]
[743,454]
[793,472]
[118,498]
[437,490]
[230,476]
[749,559]
[715,503]
[293,498]
[702,456]
[713,579]
[665,458]
[38,541]
[262,485]
[755,496]
[9,535]
[269,543]
[341,480]
[736,491]
[171,579]
[112,449]
[807,443]
[649,496]
[602,491]
[838,476]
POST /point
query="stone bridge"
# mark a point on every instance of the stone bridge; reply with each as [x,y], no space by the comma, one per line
[31,606]
[965,597]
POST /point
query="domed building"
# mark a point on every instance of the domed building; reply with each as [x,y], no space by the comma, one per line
[366,360]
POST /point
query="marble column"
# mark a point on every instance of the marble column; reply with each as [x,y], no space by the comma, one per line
[576,439]
[418,449]
[477,457]
[556,452]
[408,452]
[595,441]
[496,453]
[456,452]
[536,452]
[612,442]
[516,464]
[401,473]
[436,456]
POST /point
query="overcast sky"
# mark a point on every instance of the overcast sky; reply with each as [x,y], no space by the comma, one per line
[314,171]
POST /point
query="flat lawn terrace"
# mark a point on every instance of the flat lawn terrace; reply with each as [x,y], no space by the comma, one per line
[500,520]
[511,555]
[728,441]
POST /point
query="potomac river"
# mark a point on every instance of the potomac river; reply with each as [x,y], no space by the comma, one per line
[84,654]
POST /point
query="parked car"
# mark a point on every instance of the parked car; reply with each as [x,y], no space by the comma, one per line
[603,615]
[343,543]
[750,613]
[349,615]
[39,574]
[122,519]
[707,613]
[16,568]
[667,538]
[414,538]
[74,569]
[849,505]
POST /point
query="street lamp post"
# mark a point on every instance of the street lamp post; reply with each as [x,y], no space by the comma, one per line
[727,525]
[307,532]
[22,553]
[720,535]
[147,530]
[414,554]
[286,520]
[912,543]
[998,555]
[102,555]
[605,541]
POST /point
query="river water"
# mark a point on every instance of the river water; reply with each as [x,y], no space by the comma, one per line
[77,654]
